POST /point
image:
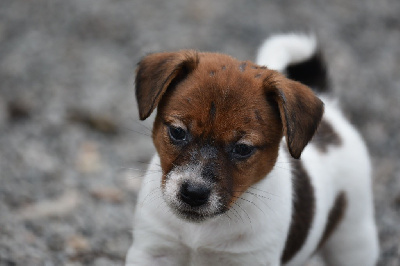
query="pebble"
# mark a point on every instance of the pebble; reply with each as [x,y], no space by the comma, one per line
[108,194]
[78,243]
[18,110]
[88,159]
[57,207]
[97,122]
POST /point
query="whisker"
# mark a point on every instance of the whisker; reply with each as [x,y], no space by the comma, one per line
[258,197]
[135,131]
[264,191]
[249,201]
[141,124]
[148,163]
[265,203]
[150,193]
[230,219]
[248,217]
[238,215]
[161,203]
[156,197]
[251,193]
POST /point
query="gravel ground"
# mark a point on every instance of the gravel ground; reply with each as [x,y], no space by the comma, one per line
[72,149]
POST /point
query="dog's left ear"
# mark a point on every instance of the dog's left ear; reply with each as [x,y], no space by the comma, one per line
[156,72]
[300,110]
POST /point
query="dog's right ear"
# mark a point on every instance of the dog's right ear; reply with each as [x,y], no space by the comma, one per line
[156,72]
[299,108]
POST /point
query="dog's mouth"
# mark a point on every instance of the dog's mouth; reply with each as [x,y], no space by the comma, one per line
[192,215]
[196,214]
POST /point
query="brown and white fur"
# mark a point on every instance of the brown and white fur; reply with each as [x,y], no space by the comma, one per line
[227,185]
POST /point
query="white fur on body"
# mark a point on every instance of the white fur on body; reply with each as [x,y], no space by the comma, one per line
[254,231]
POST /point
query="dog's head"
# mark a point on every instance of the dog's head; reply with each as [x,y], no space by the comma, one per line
[219,125]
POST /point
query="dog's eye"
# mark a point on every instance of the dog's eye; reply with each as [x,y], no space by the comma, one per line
[243,151]
[177,133]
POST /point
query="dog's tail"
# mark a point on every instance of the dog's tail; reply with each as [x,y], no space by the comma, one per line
[298,56]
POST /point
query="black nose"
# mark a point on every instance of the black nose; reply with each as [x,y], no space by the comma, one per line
[193,194]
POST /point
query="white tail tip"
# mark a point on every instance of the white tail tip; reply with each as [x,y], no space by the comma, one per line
[279,51]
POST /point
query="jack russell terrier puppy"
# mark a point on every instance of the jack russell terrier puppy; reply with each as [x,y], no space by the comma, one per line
[227,186]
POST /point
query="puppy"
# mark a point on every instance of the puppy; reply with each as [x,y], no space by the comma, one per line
[227,186]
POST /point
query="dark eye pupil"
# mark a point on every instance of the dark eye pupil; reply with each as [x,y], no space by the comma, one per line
[243,150]
[177,133]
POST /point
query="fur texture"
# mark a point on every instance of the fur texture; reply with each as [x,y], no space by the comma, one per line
[226,188]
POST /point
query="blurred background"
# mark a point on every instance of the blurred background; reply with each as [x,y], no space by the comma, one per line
[72,150]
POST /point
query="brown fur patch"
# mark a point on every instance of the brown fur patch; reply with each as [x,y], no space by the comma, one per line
[303,211]
[326,136]
[336,215]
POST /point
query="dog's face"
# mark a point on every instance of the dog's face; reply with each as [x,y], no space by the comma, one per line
[219,125]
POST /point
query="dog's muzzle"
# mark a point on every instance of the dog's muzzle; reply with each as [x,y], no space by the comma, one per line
[190,196]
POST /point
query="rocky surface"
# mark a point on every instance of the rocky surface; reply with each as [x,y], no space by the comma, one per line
[72,150]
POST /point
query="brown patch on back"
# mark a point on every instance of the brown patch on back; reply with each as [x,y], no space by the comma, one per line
[303,211]
[336,215]
[326,136]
